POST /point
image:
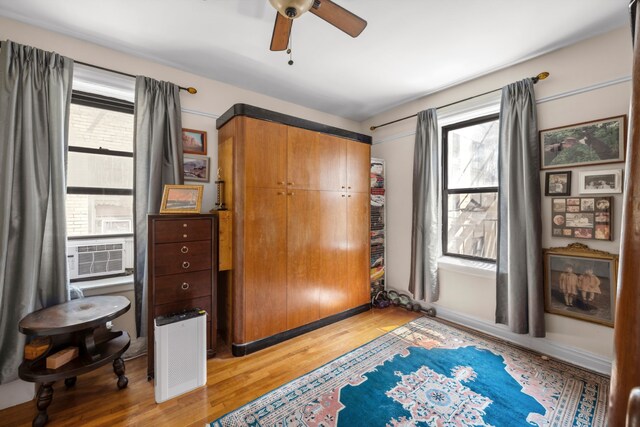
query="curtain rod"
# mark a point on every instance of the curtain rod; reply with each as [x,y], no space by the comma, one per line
[191,90]
[535,79]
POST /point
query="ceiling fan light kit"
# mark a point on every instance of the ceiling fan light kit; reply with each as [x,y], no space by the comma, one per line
[291,8]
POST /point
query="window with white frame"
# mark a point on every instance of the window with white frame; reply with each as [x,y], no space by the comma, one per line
[470,188]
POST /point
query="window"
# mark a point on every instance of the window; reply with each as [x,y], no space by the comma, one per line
[470,188]
[100,166]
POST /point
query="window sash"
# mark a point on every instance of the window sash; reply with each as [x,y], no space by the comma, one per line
[105,103]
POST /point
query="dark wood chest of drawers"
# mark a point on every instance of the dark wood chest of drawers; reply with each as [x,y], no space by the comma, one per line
[182,270]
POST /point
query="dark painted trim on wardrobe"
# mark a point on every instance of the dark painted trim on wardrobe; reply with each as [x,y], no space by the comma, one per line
[251,347]
[273,116]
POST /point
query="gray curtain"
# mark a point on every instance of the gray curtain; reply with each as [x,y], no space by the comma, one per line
[35,93]
[158,161]
[425,239]
[519,266]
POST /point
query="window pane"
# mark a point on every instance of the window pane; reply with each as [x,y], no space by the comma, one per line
[472,156]
[97,170]
[99,128]
[472,224]
[97,214]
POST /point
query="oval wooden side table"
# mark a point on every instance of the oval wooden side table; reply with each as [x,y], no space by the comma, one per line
[80,323]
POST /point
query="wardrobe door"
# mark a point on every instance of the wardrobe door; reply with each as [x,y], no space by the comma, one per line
[358,251]
[304,219]
[358,165]
[265,154]
[265,262]
[332,242]
[302,159]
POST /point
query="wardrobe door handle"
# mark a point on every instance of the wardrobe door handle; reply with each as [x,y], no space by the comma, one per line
[348,188]
[343,195]
[280,182]
[290,194]
[280,193]
[186,265]
[290,183]
[184,249]
[185,286]
[184,225]
[184,236]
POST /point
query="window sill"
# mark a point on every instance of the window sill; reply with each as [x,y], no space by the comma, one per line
[106,285]
[485,270]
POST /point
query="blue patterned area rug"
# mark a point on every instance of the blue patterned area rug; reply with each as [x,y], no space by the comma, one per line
[427,373]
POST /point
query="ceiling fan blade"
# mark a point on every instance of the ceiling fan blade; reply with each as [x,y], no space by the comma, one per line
[339,17]
[281,32]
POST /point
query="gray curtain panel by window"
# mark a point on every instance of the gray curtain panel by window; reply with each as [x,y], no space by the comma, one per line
[35,93]
[158,161]
[519,290]
[425,239]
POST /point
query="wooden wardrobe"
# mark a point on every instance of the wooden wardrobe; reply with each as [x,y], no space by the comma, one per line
[298,192]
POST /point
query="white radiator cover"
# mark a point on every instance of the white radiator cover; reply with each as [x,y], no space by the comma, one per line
[180,357]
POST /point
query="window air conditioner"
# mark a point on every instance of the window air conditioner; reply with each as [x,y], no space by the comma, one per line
[95,258]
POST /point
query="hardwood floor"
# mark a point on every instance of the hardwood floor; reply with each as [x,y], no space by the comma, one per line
[231,382]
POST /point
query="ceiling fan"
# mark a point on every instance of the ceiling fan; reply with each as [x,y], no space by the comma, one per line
[288,10]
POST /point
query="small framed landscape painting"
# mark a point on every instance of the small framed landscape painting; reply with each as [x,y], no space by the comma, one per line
[599,141]
[600,182]
[582,217]
[194,141]
[557,183]
[196,168]
[181,199]
[580,282]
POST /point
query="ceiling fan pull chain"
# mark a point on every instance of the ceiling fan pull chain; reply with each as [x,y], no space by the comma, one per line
[290,48]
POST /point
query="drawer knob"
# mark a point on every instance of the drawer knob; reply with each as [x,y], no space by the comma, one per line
[184,225]
[290,183]
[186,265]
[343,195]
[280,182]
[184,236]
[348,188]
[184,249]
[280,193]
[185,286]
[343,186]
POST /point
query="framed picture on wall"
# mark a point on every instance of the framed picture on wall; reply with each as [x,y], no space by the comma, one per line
[600,182]
[557,183]
[582,217]
[196,168]
[181,199]
[589,143]
[194,141]
[580,282]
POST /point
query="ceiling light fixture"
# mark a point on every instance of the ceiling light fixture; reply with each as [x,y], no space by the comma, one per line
[291,8]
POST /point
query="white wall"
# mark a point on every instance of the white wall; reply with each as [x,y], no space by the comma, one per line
[471,299]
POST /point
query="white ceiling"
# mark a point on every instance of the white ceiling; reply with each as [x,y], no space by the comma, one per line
[410,48]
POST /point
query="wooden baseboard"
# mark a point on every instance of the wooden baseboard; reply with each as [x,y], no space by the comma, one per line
[251,347]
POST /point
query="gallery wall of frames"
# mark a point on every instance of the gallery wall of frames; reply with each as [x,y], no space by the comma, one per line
[583,172]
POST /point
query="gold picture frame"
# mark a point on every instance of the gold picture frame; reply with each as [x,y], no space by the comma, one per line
[181,199]
[580,282]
